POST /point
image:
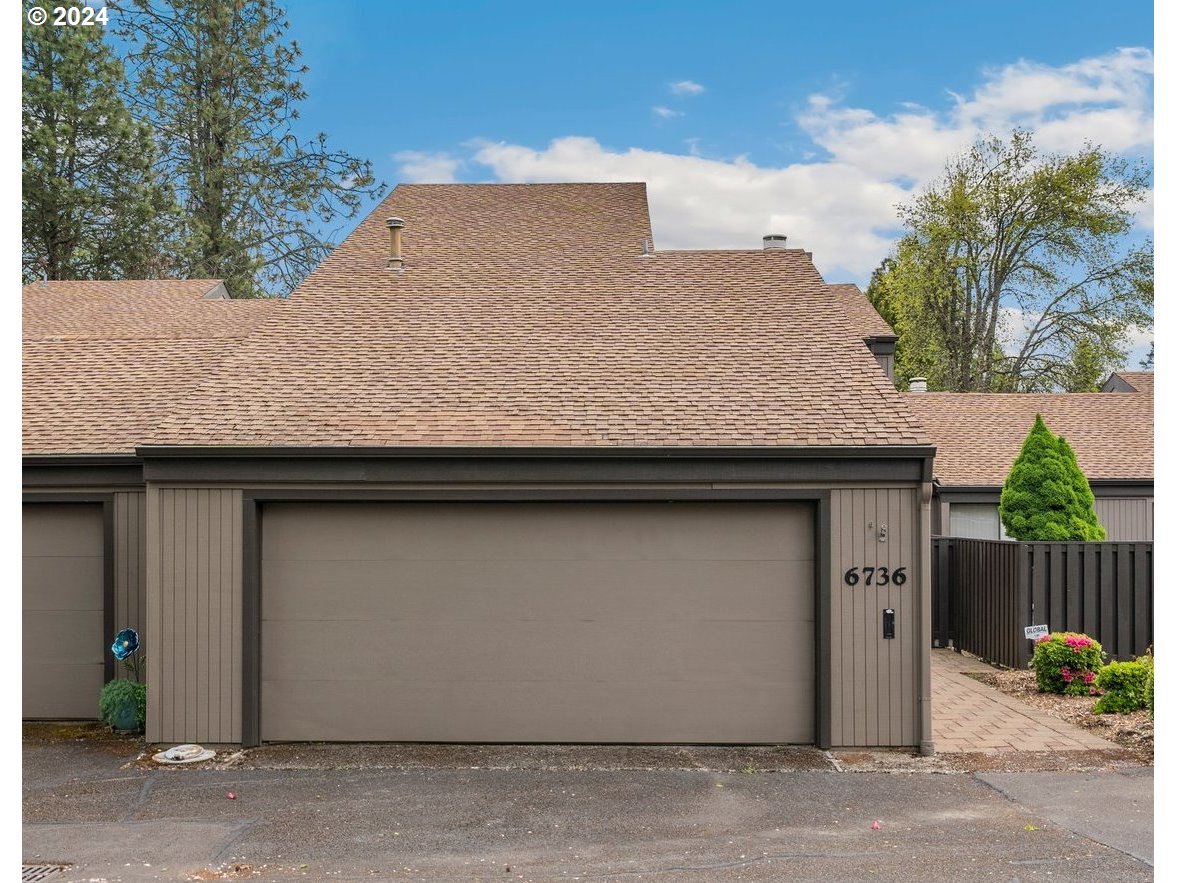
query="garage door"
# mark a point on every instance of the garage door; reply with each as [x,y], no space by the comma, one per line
[62,595]
[538,622]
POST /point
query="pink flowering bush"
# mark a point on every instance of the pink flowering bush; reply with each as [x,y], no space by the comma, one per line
[1067,662]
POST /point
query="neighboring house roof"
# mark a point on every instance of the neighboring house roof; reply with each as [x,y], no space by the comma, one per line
[862,312]
[979,435]
[1129,381]
[527,315]
[122,308]
[104,362]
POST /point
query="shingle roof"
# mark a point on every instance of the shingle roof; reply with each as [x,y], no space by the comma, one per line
[1140,381]
[978,435]
[862,312]
[526,315]
[125,308]
[104,362]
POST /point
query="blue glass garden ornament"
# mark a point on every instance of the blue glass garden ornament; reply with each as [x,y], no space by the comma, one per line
[125,643]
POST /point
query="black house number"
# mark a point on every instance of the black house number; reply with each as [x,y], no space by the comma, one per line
[875,576]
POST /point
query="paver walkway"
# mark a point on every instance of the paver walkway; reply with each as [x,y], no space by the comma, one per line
[970,716]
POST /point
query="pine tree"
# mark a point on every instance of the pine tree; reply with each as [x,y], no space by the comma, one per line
[91,206]
[1084,521]
[219,83]
[1046,496]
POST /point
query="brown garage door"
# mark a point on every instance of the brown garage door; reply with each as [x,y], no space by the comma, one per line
[62,595]
[538,622]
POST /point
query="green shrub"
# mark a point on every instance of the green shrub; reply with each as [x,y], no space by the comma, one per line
[1066,662]
[117,692]
[1125,687]
[1149,698]
[1046,496]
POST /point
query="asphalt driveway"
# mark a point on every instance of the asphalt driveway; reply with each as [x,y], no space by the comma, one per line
[468,813]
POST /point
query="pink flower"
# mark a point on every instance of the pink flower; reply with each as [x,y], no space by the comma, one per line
[1092,691]
[1088,677]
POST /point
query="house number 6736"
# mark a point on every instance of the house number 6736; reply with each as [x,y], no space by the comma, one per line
[876,576]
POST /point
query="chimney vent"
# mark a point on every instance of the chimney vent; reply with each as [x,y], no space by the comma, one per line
[774,240]
[918,384]
[395,225]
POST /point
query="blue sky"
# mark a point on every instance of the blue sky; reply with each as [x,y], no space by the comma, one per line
[814,119]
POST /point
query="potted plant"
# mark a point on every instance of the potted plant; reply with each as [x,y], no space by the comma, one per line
[123,702]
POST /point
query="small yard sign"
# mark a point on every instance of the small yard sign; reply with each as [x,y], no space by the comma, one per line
[1034,632]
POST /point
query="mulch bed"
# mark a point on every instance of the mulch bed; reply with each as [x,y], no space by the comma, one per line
[1133,732]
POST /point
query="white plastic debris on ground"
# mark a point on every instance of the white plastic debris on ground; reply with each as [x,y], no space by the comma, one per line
[183,754]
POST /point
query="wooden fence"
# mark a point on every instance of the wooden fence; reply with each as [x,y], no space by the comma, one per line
[984,592]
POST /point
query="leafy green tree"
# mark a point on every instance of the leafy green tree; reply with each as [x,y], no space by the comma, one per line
[1046,496]
[219,84]
[1087,368]
[1146,362]
[905,299]
[91,206]
[1011,261]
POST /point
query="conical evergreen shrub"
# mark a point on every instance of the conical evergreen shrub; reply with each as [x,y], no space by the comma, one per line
[1046,496]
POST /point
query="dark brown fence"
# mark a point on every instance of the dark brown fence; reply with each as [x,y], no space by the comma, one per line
[984,592]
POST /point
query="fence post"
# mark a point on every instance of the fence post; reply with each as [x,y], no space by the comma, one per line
[1024,604]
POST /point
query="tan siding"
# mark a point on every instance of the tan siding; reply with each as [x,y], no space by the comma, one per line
[836,642]
[875,681]
[921,650]
[1126,519]
[130,578]
[193,605]
[194,571]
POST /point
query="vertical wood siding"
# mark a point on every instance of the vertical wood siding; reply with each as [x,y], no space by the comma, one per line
[130,565]
[875,683]
[194,615]
[1127,519]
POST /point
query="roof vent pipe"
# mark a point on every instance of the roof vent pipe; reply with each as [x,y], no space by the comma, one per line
[774,240]
[395,225]
[918,384]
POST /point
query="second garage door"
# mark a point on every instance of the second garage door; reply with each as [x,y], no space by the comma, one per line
[62,600]
[538,622]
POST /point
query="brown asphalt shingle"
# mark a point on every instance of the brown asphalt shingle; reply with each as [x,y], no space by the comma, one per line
[861,311]
[978,435]
[125,308]
[104,362]
[526,315]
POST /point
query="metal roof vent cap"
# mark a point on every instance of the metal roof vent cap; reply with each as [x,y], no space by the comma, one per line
[395,226]
[774,240]
[918,384]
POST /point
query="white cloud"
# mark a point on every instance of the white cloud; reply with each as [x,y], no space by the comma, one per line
[1144,211]
[1106,100]
[840,203]
[686,87]
[421,167]
[666,113]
